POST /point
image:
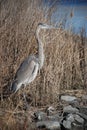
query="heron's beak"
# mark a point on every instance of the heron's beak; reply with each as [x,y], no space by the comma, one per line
[50,27]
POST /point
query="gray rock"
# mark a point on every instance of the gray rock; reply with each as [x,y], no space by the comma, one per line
[55,117]
[75,103]
[50,110]
[84,99]
[39,115]
[68,98]
[84,116]
[70,118]
[55,125]
[83,109]
[70,109]
[77,127]
[41,124]
[75,118]
[49,125]
[85,126]
[78,119]
[67,124]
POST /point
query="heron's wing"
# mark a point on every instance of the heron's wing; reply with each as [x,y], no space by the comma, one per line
[26,69]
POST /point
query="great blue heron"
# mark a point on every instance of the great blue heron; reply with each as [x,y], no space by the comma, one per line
[28,69]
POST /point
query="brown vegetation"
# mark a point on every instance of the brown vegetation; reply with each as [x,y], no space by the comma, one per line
[65,57]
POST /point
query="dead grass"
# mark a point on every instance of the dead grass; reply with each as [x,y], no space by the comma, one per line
[64,54]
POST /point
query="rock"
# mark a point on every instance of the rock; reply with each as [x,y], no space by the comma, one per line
[70,118]
[49,125]
[84,116]
[83,109]
[70,109]
[55,117]
[77,127]
[75,103]
[84,99]
[68,98]
[53,126]
[50,110]
[85,126]
[73,122]
[78,119]
[39,115]
[41,124]
[67,124]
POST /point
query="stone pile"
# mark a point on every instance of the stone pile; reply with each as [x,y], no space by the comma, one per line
[72,117]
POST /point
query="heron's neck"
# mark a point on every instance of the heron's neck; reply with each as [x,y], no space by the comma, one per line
[40,48]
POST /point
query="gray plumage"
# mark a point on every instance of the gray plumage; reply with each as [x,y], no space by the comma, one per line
[28,70]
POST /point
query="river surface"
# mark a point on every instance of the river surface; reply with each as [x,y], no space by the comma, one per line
[73,14]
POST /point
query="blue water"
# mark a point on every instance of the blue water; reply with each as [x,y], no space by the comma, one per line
[72,2]
[64,8]
[66,2]
[76,22]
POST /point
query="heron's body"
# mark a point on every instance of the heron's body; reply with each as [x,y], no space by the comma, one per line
[28,70]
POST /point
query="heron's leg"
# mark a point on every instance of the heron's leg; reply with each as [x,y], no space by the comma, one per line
[26,105]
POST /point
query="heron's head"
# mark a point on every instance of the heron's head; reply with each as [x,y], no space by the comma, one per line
[13,87]
[45,26]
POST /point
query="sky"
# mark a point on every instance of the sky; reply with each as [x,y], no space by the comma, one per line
[64,8]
